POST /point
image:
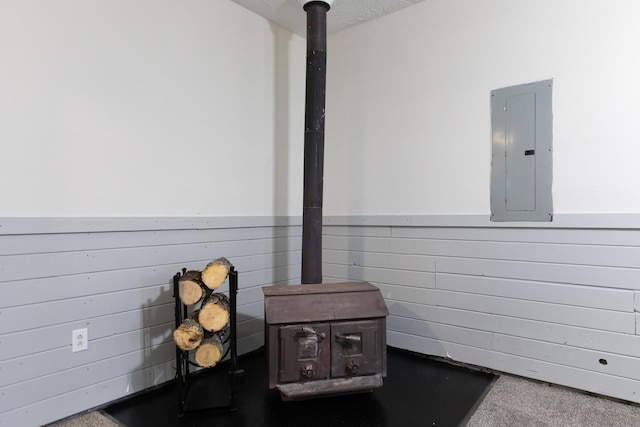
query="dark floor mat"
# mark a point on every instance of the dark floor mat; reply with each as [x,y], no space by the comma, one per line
[418,391]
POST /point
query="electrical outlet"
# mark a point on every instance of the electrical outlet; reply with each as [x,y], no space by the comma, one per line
[79,340]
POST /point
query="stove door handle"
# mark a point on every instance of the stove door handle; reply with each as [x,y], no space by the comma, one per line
[348,337]
[310,331]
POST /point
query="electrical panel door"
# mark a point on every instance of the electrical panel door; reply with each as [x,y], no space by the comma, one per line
[521,168]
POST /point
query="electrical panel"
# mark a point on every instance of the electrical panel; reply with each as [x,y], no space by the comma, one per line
[521,161]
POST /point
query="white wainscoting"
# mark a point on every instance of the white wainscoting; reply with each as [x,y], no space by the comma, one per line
[114,277]
[550,301]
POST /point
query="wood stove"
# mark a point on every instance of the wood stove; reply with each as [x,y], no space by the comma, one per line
[322,338]
[325,338]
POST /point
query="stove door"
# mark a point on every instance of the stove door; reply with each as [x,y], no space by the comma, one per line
[304,352]
[356,348]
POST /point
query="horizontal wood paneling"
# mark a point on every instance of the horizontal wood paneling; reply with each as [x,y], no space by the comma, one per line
[613,321]
[591,255]
[596,236]
[250,342]
[612,221]
[547,301]
[49,386]
[559,293]
[64,225]
[252,326]
[369,244]
[620,278]
[46,338]
[595,382]
[78,400]
[259,269]
[608,320]
[343,230]
[616,343]
[67,310]
[620,365]
[380,260]
[116,280]
[43,363]
[20,267]
[50,243]
[381,275]
[407,294]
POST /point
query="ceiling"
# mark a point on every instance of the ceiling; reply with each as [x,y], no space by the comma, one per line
[343,13]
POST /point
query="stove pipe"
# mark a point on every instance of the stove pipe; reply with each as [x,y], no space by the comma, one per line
[314,140]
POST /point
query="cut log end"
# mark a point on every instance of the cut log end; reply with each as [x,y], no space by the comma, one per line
[216,272]
[209,352]
[190,287]
[214,313]
[188,335]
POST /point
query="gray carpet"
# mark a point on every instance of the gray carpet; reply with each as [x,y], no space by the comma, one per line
[90,419]
[514,401]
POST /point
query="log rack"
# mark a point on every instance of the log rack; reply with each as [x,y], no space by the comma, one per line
[183,362]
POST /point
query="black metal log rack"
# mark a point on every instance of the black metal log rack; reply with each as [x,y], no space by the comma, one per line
[183,362]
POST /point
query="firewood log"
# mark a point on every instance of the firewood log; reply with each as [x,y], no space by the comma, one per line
[190,287]
[215,273]
[210,351]
[214,313]
[188,335]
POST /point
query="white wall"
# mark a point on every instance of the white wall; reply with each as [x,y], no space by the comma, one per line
[122,108]
[408,120]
